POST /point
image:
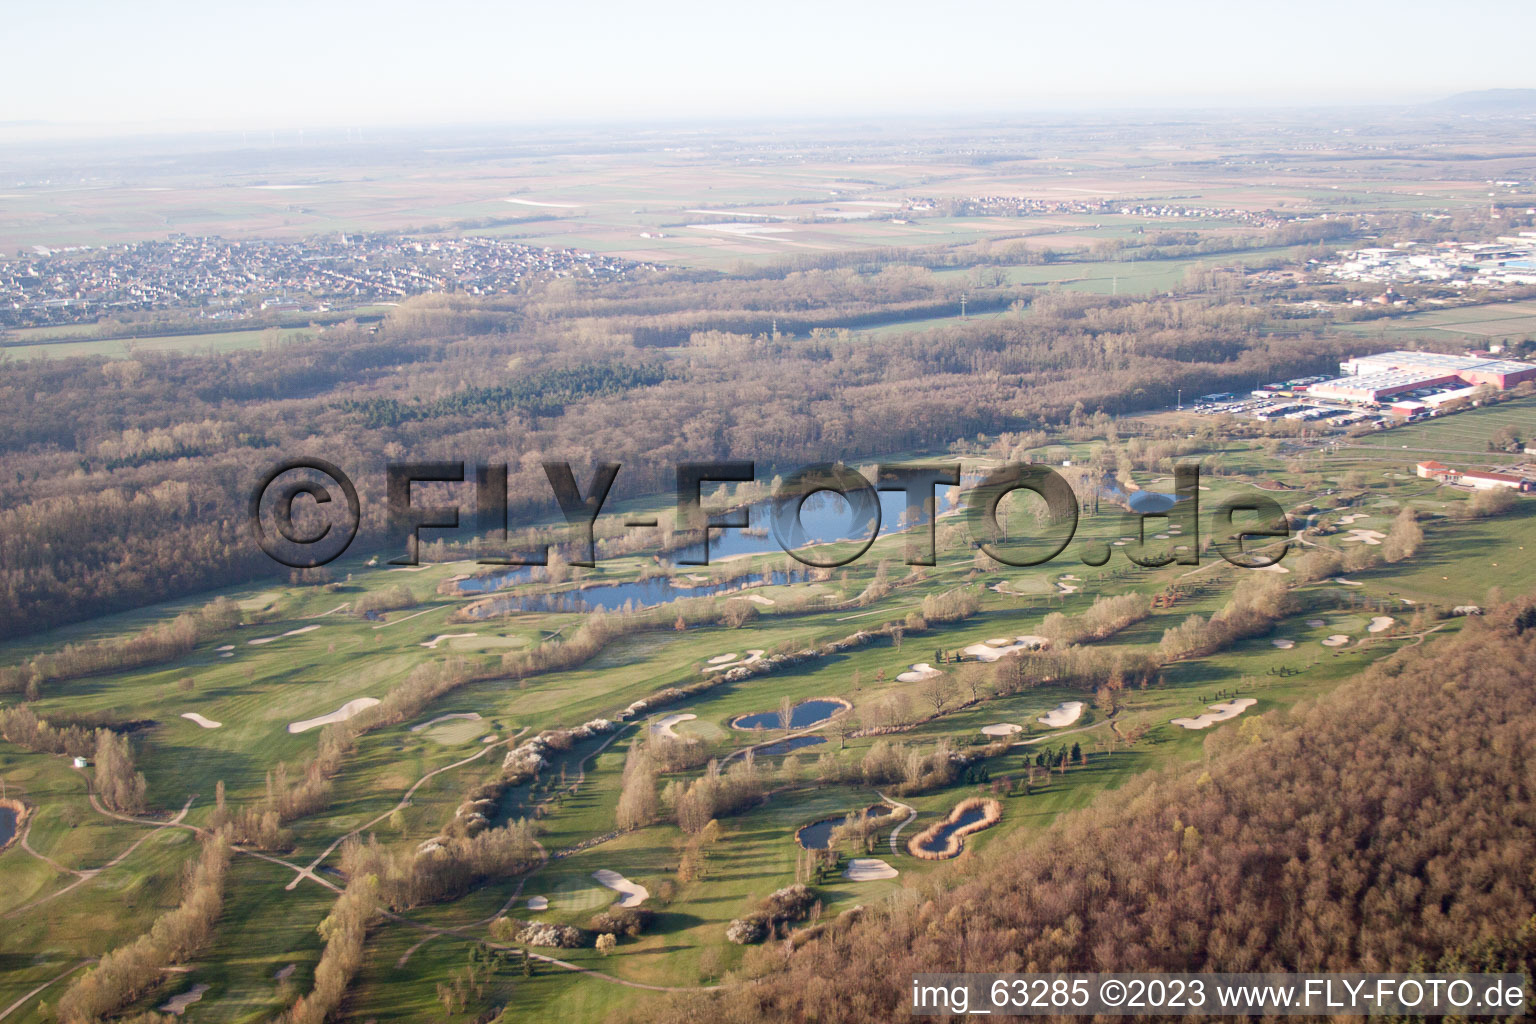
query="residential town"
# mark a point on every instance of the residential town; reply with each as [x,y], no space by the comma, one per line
[226,279]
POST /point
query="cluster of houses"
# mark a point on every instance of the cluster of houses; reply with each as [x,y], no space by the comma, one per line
[227,279]
[1020,206]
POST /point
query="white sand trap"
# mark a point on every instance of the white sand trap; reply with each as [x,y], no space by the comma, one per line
[457,716]
[1336,640]
[1347,583]
[1316,623]
[922,670]
[1218,713]
[721,659]
[631,895]
[1066,588]
[292,632]
[717,665]
[1380,623]
[1062,714]
[1352,518]
[1002,729]
[869,869]
[538,903]
[987,652]
[1284,645]
[341,714]
[179,1004]
[431,645]
[758,599]
[1371,537]
[226,647]
[1161,536]
[1277,567]
[1118,543]
[206,723]
[285,973]
[549,206]
[227,654]
[663,726]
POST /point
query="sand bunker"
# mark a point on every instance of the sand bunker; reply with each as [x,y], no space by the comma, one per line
[538,903]
[1062,714]
[1218,713]
[631,895]
[431,645]
[1379,623]
[1336,640]
[548,206]
[285,973]
[341,714]
[869,869]
[457,716]
[226,647]
[1002,729]
[1277,567]
[1066,588]
[724,661]
[292,632]
[989,651]
[179,1004]
[1347,583]
[756,599]
[663,726]
[1372,537]
[206,723]
[1353,517]
[922,670]
[1284,645]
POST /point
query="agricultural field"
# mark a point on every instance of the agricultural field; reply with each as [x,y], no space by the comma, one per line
[1474,325]
[84,881]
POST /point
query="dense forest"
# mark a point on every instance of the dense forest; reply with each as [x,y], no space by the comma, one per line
[127,479]
[1385,828]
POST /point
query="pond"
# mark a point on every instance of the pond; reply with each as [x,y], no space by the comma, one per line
[803,716]
[824,518]
[940,839]
[7,825]
[818,834]
[613,596]
[783,747]
[1151,501]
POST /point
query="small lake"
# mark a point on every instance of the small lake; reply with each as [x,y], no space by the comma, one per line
[7,825]
[1151,501]
[789,746]
[941,838]
[818,834]
[639,593]
[805,714]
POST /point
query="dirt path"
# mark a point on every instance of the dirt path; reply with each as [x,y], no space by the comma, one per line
[18,1004]
[405,801]
[83,876]
[911,817]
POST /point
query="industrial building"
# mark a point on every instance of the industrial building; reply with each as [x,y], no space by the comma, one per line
[1374,379]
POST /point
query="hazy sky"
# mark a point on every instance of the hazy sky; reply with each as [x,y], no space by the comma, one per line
[205,63]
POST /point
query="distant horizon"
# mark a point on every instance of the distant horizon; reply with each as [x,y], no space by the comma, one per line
[174,66]
[43,130]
